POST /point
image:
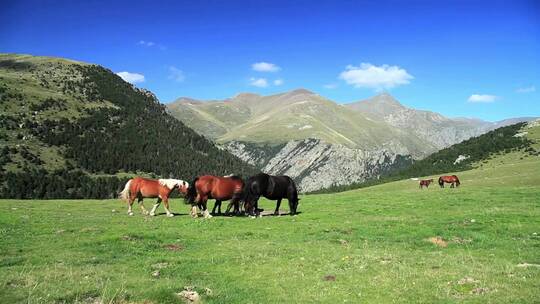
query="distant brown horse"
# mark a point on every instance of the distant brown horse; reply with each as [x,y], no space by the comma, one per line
[425,183]
[453,180]
[139,188]
[214,187]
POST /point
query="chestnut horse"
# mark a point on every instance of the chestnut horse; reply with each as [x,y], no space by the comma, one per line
[214,187]
[425,182]
[139,188]
[451,179]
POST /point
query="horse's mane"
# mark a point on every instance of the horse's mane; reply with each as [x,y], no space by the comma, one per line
[232,176]
[171,183]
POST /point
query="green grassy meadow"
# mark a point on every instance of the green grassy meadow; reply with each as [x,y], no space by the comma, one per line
[370,245]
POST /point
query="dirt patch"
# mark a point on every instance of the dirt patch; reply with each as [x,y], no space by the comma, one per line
[329,277]
[173,247]
[439,241]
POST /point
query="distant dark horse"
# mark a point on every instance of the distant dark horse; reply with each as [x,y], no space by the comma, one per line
[425,183]
[451,179]
[271,187]
[214,187]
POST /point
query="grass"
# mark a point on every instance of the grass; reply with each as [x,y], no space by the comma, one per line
[365,246]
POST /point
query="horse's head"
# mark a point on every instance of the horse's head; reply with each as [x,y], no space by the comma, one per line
[294,206]
[182,187]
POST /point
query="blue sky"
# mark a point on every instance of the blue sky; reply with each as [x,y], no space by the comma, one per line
[459,58]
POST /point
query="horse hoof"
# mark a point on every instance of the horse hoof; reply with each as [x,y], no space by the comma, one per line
[170,215]
[130,213]
[152,214]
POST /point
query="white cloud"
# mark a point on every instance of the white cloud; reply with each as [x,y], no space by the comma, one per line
[131,77]
[258,82]
[526,89]
[482,98]
[381,77]
[265,67]
[330,86]
[176,74]
[146,43]
[278,82]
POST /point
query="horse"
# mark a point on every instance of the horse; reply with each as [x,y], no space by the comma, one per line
[140,187]
[271,187]
[451,179]
[425,182]
[214,187]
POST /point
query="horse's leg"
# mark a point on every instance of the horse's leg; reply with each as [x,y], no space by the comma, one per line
[278,203]
[194,211]
[156,205]
[166,205]
[141,204]
[236,203]
[217,204]
[194,205]
[130,204]
[205,212]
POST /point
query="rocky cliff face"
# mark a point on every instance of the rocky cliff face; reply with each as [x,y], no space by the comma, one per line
[315,165]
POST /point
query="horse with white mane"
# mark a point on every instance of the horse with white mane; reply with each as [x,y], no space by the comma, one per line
[140,187]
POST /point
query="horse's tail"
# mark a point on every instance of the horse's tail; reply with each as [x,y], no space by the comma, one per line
[247,192]
[191,192]
[441,181]
[124,195]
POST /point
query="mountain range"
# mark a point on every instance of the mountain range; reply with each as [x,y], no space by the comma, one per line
[321,143]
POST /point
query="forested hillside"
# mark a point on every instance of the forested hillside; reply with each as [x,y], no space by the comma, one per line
[69,129]
[462,156]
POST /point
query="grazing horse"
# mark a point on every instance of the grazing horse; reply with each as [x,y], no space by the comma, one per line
[271,187]
[214,187]
[139,188]
[425,182]
[451,179]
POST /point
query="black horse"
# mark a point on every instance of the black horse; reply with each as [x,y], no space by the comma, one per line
[271,187]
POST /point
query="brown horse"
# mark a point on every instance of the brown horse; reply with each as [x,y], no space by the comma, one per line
[140,188]
[214,187]
[425,183]
[453,180]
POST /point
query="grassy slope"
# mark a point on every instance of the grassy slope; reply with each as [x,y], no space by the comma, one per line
[373,240]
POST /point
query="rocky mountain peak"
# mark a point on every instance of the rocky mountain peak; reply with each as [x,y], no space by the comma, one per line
[386,100]
[246,95]
[300,91]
